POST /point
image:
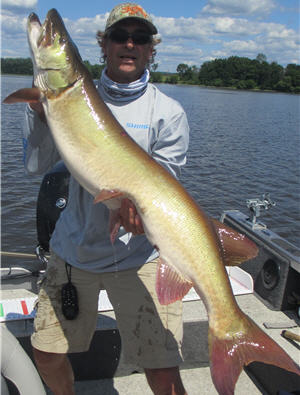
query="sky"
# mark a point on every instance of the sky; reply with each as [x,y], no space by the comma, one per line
[192,31]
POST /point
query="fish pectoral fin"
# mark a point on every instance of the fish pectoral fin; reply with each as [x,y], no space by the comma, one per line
[170,284]
[235,247]
[25,95]
[106,194]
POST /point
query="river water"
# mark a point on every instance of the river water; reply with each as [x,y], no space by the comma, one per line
[242,144]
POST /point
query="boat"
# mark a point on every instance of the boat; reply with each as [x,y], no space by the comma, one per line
[266,288]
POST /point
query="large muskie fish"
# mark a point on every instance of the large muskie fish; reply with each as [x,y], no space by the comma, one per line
[108,163]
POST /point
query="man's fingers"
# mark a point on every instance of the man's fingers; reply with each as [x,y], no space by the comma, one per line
[139,225]
[130,219]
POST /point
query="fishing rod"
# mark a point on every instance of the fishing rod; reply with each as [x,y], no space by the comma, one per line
[40,254]
[17,254]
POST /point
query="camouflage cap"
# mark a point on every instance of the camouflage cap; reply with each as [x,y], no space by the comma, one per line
[129,10]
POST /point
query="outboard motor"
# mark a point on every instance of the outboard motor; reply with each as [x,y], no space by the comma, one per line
[52,199]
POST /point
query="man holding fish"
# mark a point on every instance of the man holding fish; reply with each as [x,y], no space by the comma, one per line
[124,148]
[151,333]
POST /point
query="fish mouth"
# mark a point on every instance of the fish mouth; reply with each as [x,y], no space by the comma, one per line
[45,34]
[55,57]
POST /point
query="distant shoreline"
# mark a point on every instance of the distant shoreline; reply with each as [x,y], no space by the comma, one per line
[234,72]
[188,84]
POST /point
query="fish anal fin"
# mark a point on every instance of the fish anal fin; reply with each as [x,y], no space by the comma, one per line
[170,284]
[230,354]
[235,247]
[25,95]
[106,194]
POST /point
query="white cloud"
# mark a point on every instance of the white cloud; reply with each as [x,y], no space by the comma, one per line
[182,28]
[187,55]
[18,6]
[19,3]
[238,7]
[14,39]
[235,46]
[228,25]
[86,26]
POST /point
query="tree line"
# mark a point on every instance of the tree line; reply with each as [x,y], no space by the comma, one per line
[239,73]
[23,66]
[232,72]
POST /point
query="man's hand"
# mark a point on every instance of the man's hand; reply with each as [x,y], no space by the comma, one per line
[130,219]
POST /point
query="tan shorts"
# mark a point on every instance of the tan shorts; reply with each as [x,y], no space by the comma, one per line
[151,333]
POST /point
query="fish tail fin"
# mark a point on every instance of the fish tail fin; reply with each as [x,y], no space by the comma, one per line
[228,356]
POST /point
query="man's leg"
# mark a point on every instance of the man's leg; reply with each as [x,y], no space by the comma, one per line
[151,333]
[56,371]
[54,336]
[166,381]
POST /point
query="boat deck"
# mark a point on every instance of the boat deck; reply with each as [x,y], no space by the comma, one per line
[195,370]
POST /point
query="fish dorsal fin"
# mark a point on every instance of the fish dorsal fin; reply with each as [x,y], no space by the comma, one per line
[170,284]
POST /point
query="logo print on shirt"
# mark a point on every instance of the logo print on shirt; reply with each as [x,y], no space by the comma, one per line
[142,126]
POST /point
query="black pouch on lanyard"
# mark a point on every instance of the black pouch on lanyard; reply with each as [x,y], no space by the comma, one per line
[69,299]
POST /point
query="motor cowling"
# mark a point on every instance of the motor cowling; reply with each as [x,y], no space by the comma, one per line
[52,200]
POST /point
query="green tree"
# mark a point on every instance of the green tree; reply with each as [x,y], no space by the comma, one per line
[293,71]
[246,84]
[156,77]
[173,79]
[261,58]
[284,85]
[16,66]
[263,75]
[207,73]
[276,74]
[184,72]
[96,70]
[188,73]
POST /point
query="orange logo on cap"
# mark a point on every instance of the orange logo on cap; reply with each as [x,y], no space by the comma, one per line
[133,10]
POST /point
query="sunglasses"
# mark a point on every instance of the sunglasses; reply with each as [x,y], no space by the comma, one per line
[121,36]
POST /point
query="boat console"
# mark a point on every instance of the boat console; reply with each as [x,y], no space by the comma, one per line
[276,269]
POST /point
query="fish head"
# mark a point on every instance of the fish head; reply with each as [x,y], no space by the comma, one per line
[56,59]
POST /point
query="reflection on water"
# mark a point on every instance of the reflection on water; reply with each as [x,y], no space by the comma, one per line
[242,144]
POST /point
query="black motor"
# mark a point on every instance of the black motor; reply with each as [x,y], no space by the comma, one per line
[52,199]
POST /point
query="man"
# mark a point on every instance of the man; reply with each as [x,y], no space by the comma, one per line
[151,334]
